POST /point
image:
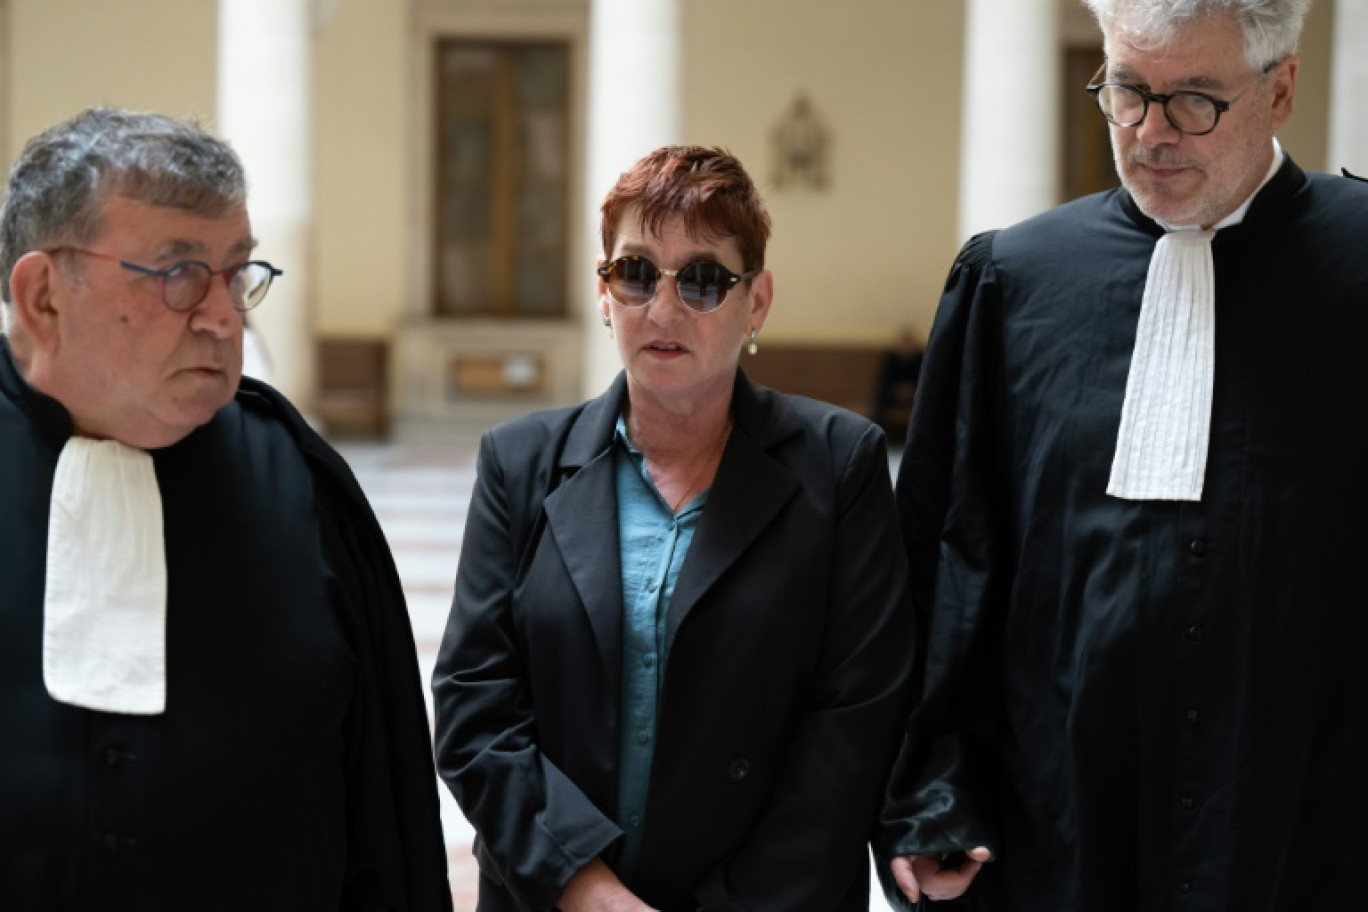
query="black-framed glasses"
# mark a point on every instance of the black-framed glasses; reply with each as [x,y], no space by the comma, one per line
[702,285]
[1193,113]
[186,284]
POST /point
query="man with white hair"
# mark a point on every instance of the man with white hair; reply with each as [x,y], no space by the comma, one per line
[1132,502]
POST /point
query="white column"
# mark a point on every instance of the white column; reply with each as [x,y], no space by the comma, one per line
[264,112]
[634,107]
[1009,160]
[1349,89]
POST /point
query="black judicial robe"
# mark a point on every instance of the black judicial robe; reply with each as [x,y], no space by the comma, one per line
[1144,705]
[292,768]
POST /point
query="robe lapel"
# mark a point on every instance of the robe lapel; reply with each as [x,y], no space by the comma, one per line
[750,489]
[587,538]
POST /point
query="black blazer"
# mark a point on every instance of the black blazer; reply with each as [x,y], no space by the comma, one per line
[788,651]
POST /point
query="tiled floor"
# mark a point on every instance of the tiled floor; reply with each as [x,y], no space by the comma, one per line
[419,493]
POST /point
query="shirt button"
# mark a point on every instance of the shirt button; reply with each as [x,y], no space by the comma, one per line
[1192,715]
[1185,887]
[738,769]
[111,756]
[1188,802]
[674,526]
[1197,547]
[647,660]
[643,737]
[1195,633]
[634,820]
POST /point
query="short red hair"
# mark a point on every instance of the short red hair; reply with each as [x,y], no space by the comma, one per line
[708,188]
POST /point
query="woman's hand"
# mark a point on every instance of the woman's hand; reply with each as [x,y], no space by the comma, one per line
[924,875]
[595,888]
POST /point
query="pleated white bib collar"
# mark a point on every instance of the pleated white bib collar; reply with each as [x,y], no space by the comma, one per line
[104,605]
[1165,431]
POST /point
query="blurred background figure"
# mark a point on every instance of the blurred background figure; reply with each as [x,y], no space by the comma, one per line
[897,386]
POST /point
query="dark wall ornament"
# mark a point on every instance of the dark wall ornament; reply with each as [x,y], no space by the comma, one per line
[802,148]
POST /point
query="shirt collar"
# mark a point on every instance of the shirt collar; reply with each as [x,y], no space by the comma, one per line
[1234,218]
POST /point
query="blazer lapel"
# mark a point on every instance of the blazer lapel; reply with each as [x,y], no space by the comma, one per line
[749,490]
[585,533]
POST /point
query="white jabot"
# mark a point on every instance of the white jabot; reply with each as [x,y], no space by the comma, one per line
[1161,446]
[104,620]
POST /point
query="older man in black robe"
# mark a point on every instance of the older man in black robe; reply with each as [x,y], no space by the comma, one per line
[208,685]
[1134,505]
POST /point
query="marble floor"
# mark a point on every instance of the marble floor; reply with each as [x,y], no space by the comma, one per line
[420,492]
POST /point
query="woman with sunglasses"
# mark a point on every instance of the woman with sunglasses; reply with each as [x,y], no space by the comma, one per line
[676,662]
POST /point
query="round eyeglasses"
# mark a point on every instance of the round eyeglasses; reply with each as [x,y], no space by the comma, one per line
[186,284]
[1192,113]
[702,286]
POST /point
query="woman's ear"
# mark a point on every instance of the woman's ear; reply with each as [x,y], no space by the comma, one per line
[761,296]
[601,286]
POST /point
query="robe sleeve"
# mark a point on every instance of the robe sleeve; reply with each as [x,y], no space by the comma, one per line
[396,859]
[535,827]
[941,795]
[827,796]
[396,855]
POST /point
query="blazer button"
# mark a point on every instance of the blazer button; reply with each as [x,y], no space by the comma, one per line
[738,768]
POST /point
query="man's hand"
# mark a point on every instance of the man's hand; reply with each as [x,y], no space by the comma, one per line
[923,875]
[595,888]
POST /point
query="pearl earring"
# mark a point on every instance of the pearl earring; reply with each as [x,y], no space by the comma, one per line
[753,347]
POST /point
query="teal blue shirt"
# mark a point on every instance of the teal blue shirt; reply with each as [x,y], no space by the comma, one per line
[654,542]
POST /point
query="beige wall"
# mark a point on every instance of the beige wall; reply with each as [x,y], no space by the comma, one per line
[1307,135]
[162,55]
[871,252]
[885,75]
[361,190]
[67,55]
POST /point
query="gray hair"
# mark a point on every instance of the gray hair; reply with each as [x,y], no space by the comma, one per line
[58,187]
[1271,27]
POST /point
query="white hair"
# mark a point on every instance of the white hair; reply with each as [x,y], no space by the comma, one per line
[1271,27]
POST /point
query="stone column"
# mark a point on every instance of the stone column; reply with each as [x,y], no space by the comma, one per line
[1348,147]
[264,112]
[634,107]
[1009,158]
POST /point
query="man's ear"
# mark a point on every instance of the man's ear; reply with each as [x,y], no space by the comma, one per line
[1284,88]
[32,284]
